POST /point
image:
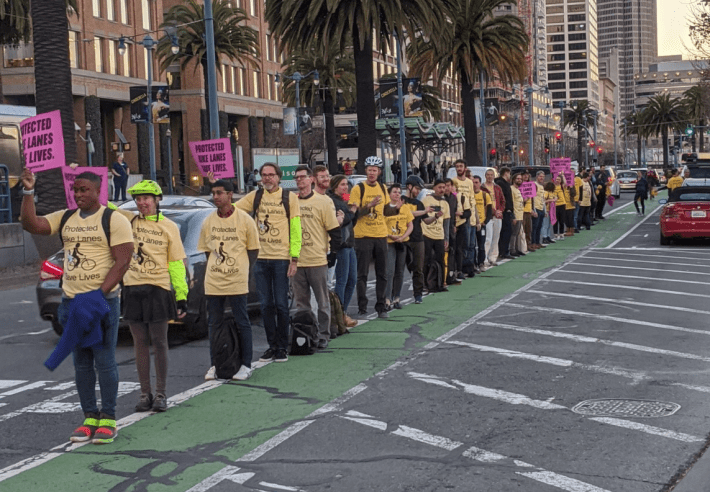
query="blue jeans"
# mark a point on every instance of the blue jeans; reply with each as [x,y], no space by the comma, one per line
[271,278]
[215,315]
[345,276]
[546,231]
[102,358]
[576,212]
[537,226]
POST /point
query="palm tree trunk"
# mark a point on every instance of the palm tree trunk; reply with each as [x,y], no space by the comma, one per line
[580,147]
[364,82]
[331,143]
[664,132]
[702,136]
[53,90]
[639,149]
[468,108]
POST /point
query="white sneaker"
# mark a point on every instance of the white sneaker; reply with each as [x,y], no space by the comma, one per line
[211,374]
[243,374]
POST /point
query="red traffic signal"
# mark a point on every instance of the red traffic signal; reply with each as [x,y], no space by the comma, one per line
[599,150]
[493,152]
[547,150]
[591,143]
[558,136]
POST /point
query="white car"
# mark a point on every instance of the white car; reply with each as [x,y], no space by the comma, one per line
[627,180]
[475,171]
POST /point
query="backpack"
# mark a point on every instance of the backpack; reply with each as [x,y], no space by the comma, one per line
[361,185]
[434,280]
[284,201]
[304,333]
[225,349]
[105,223]
[336,313]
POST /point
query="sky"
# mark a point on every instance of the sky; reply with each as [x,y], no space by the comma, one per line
[673,23]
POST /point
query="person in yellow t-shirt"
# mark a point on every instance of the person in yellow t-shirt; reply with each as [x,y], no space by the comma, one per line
[462,215]
[560,207]
[484,212]
[550,198]
[674,182]
[319,221]
[149,303]
[436,236]
[230,239]
[368,201]
[399,227]
[280,237]
[464,185]
[539,210]
[585,202]
[94,264]
[518,215]
[527,219]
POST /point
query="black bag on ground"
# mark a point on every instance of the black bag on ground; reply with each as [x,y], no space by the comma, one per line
[225,347]
[434,277]
[336,313]
[304,333]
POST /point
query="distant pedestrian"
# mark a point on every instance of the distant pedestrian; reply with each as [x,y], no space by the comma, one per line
[641,193]
[120,172]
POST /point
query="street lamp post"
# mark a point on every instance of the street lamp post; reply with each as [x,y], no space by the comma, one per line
[149,44]
[596,114]
[531,141]
[213,109]
[615,152]
[297,77]
[400,115]
[626,149]
[562,127]
[483,119]
[517,141]
[510,124]
[169,136]
[89,150]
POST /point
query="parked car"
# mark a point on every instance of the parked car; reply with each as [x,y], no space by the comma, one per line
[696,182]
[475,171]
[686,214]
[354,179]
[189,221]
[627,180]
[533,171]
[615,188]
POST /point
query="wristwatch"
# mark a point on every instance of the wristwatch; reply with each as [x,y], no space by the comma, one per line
[27,192]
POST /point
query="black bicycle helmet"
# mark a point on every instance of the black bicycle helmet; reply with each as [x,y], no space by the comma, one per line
[415,181]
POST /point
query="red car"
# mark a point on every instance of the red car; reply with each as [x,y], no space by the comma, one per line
[686,214]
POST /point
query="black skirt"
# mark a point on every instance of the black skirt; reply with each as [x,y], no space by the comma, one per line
[149,304]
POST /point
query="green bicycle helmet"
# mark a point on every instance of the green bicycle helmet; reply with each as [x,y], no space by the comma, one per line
[146,187]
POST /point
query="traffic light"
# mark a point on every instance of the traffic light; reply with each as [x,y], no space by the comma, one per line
[502,117]
[493,153]
[591,143]
[599,150]
[547,145]
[558,136]
[690,131]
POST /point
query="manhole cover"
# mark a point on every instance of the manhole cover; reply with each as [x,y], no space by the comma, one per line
[617,407]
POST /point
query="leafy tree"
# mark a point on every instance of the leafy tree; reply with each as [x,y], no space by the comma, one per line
[474,41]
[696,103]
[633,126]
[232,39]
[304,24]
[579,116]
[662,114]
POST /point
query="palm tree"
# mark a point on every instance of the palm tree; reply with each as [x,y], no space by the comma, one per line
[696,102]
[633,125]
[475,40]
[358,23]
[336,75]
[15,24]
[663,113]
[232,39]
[579,117]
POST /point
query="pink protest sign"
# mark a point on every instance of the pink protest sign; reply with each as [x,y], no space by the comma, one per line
[70,176]
[560,164]
[528,190]
[569,177]
[553,214]
[43,141]
[213,155]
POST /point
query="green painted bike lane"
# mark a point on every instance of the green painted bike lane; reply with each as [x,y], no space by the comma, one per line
[178,449]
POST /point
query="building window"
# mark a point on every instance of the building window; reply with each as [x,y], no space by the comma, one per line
[126,59]
[224,78]
[581,84]
[110,12]
[556,76]
[269,87]
[124,11]
[267,47]
[577,18]
[145,13]
[233,79]
[242,81]
[556,66]
[112,67]
[257,86]
[578,66]
[96,7]
[252,8]
[578,37]
[577,75]
[557,38]
[559,95]
[578,56]
[558,57]
[73,49]
[98,59]
[578,94]
[557,85]
[577,46]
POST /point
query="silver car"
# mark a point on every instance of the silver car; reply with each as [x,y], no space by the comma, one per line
[627,180]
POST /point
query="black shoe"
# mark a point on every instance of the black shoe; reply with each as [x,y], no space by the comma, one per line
[280,356]
[160,404]
[515,255]
[361,312]
[145,403]
[268,355]
[322,344]
[576,230]
[461,276]
[383,315]
[507,257]
[333,336]
[397,305]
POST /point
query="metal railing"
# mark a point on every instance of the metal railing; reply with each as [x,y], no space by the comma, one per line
[5,196]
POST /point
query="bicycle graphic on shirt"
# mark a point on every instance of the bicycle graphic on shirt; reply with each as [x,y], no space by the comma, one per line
[265,227]
[223,257]
[143,259]
[78,259]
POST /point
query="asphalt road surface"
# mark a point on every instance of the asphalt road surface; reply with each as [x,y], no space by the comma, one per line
[582,367]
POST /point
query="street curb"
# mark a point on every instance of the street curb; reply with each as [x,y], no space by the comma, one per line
[697,479]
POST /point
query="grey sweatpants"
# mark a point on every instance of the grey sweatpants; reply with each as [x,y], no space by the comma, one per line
[315,279]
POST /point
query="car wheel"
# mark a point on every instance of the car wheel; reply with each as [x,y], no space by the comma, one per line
[58,329]
[196,327]
[617,196]
[665,241]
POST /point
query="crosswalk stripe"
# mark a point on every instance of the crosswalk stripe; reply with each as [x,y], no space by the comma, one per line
[654,262]
[9,383]
[604,274]
[686,272]
[31,386]
[628,287]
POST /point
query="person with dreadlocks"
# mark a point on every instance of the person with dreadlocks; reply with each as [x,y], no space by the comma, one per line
[149,302]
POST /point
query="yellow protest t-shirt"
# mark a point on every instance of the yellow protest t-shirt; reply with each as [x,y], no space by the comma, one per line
[569,202]
[435,230]
[550,196]
[560,196]
[317,218]
[527,207]
[397,224]
[674,183]
[271,222]
[586,195]
[539,200]
[155,244]
[482,201]
[227,240]
[578,186]
[465,186]
[517,203]
[87,254]
[464,204]
[372,224]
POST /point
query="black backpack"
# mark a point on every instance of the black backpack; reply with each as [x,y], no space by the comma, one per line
[105,223]
[259,194]
[225,349]
[304,333]
[434,277]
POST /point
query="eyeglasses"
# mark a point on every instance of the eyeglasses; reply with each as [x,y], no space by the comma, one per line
[263,175]
[301,177]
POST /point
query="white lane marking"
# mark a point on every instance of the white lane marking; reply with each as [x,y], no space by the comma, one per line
[613,211]
[668,251]
[500,395]
[687,272]
[62,386]
[21,302]
[376,424]
[645,235]
[426,438]
[648,429]
[279,487]
[620,301]
[226,473]
[9,383]
[654,262]
[583,339]
[484,456]
[611,318]
[335,404]
[635,376]
[516,399]
[604,274]
[560,481]
[261,450]
[629,287]
[25,333]
[31,408]
[633,228]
